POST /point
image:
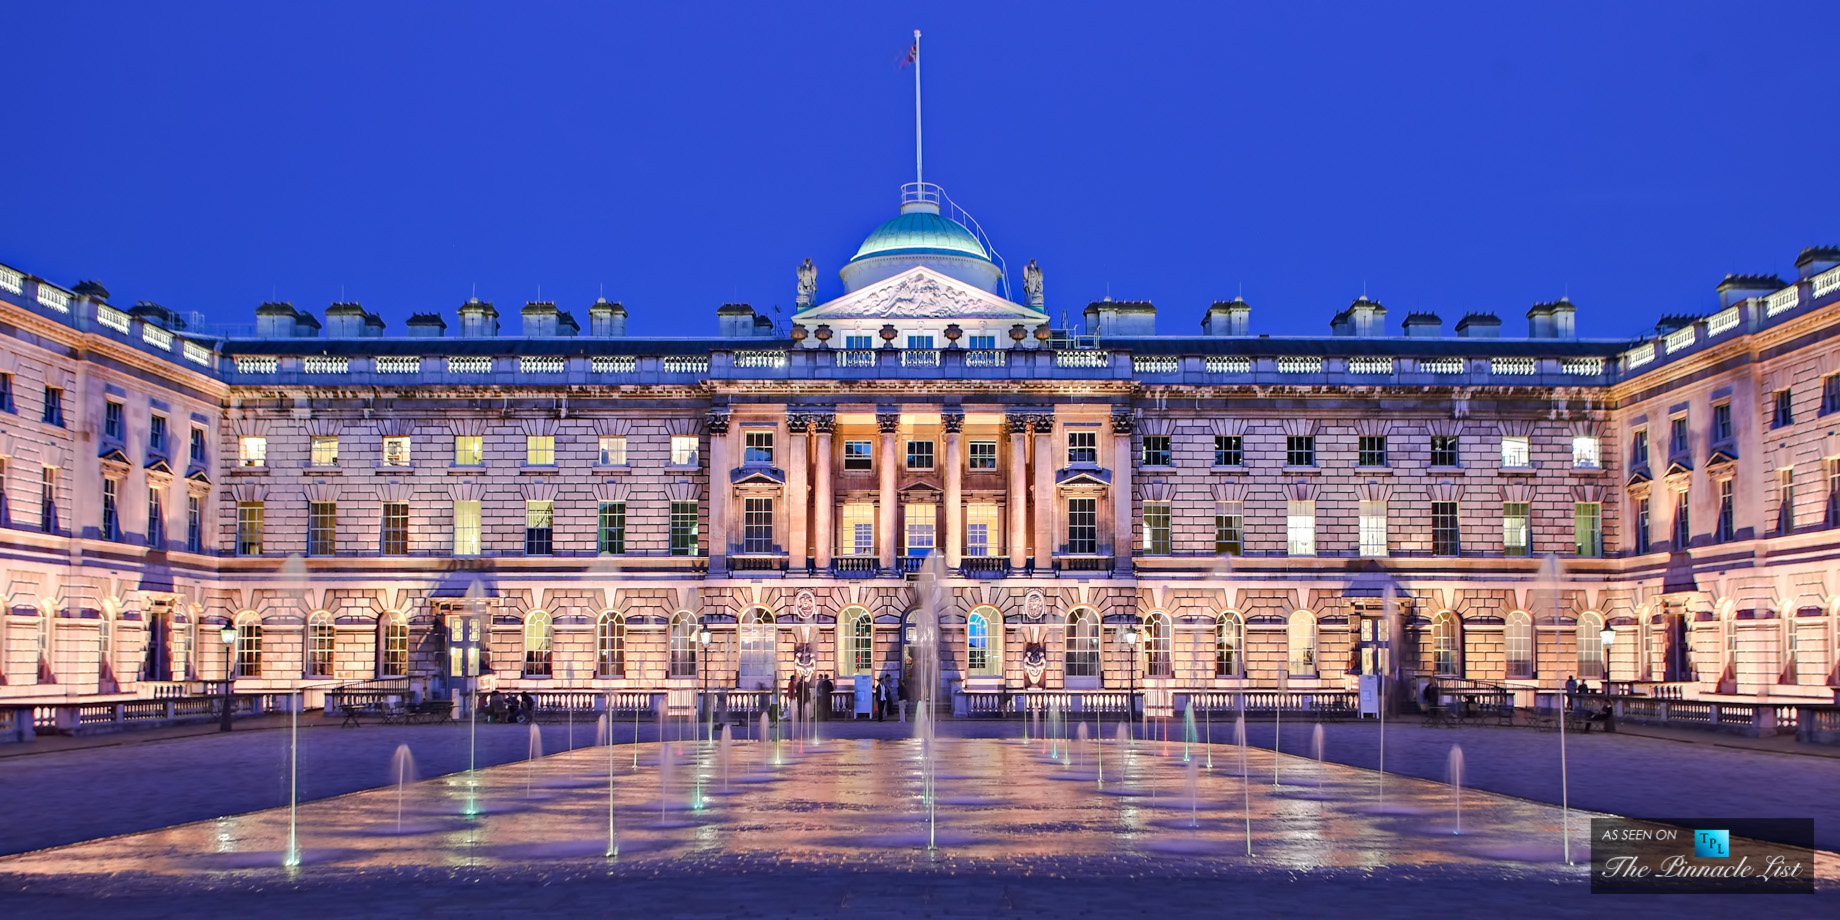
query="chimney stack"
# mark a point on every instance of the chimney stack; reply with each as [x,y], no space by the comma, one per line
[606,319]
[1551,320]
[1229,317]
[1423,325]
[1816,259]
[1479,326]
[478,319]
[427,326]
[1739,288]
[1363,318]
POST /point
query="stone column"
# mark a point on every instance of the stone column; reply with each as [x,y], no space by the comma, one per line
[720,492]
[798,497]
[889,423]
[1043,426]
[951,514]
[1017,425]
[824,503]
[1122,424]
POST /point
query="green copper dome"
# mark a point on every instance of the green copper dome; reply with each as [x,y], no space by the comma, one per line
[921,232]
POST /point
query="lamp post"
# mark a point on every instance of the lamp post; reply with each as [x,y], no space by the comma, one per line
[1130,644]
[228,636]
[702,641]
[1606,638]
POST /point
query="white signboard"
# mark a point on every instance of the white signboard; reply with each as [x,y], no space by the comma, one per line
[1370,695]
[864,693]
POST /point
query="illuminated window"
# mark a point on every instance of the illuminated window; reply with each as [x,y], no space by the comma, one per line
[856,529]
[684,528]
[249,528]
[1373,528]
[1229,645]
[1082,653]
[466,527]
[469,450]
[1586,453]
[325,450]
[1516,527]
[1516,452]
[982,531]
[1300,636]
[1588,528]
[539,450]
[684,450]
[983,642]
[252,450]
[539,527]
[539,633]
[248,646]
[1447,644]
[393,660]
[321,641]
[1519,642]
[396,451]
[1158,644]
[1300,528]
[610,645]
[920,519]
[613,450]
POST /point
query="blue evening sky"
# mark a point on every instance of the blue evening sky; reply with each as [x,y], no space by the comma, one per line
[1448,157]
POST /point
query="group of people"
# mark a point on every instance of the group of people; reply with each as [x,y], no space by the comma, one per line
[887,695]
[504,707]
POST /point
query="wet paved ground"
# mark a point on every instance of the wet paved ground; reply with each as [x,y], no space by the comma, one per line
[139,786]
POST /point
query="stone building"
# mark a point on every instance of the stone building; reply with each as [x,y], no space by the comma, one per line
[568,506]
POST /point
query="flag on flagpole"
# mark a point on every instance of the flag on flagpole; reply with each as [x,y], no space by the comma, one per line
[912,55]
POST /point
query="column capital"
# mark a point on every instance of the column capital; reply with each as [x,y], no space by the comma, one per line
[1016,423]
[1124,421]
[888,422]
[824,422]
[1042,422]
[798,422]
[716,422]
[953,420]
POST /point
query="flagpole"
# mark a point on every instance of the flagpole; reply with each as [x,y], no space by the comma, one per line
[918,176]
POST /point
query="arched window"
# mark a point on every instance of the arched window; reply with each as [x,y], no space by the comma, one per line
[1731,641]
[610,645]
[1590,645]
[1082,643]
[1229,645]
[1157,638]
[683,645]
[756,637]
[248,645]
[105,644]
[1301,636]
[858,642]
[1447,644]
[393,646]
[984,642]
[1519,641]
[539,633]
[320,644]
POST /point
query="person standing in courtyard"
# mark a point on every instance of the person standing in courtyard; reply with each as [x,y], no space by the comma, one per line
[825,689]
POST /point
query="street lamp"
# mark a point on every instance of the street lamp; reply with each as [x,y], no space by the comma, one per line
[1606,638]
[702,641]
[1130,644]
[228,636]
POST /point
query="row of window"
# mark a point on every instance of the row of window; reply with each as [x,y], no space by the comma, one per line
[1782,415]
[1373,529]
[393,528]
[468,450]
[1371,451]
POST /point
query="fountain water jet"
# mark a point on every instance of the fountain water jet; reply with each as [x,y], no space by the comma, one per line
[930,591]
[402,770]
[530,761]
[1549,577]
[1188,728]
[1456,783]
[1316,747]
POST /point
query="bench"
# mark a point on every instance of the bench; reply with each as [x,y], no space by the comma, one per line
[1439,717]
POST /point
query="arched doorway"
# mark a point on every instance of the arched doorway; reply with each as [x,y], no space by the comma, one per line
[758,665]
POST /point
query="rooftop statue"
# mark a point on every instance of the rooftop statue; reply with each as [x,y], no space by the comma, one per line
[808,284]
[1031,284]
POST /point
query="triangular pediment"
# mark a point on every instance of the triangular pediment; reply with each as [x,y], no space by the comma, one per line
[1083,476]
[1678,468]
[1721,457]
[920,293]
[757,476]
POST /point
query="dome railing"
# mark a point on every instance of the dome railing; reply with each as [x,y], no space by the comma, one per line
[932,193]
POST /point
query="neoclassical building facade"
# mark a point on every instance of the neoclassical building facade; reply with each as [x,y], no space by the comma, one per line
[568,507]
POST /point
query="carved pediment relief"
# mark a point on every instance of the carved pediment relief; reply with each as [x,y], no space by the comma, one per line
[921,293]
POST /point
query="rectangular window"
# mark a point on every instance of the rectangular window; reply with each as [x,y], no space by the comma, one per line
[613,450]
[858,342]
[1833,491]
[1677,435]
[920,519]
[539,450]
[1785,499]
[6,393]
[469,450]
[919,455]
[858,455]
[1156,450]
[1516,452]
[1229,450]
[249,528]
[111,420]
[1683,522]
[156,434]
[1830,394]
[325,450]
[6,510]
[466,527]
[1082,525]
[1784,415]
[1721,423]
[394,537]
[194,524]
[983,455]
[47,500]
[1156,528]
[1446,532]
[1373,528]
[856,530]
[1642,517]
[1726,528]
[683,528]
[982,530]
[684,450]
[198,446]
[1516,528]
[1586,453]
[396,451]
[1638,448]
[1300,451]
[1588,528]
[757,526]
[1444,450]
[1229,528]
[111,520]
[1300,528]
[1082,447]
[757,447]
[612,540]
[539,527]
[156,519]
[54,407]
[924,342]
[322,528]
[252,450]
[1372,450]
[981,342]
